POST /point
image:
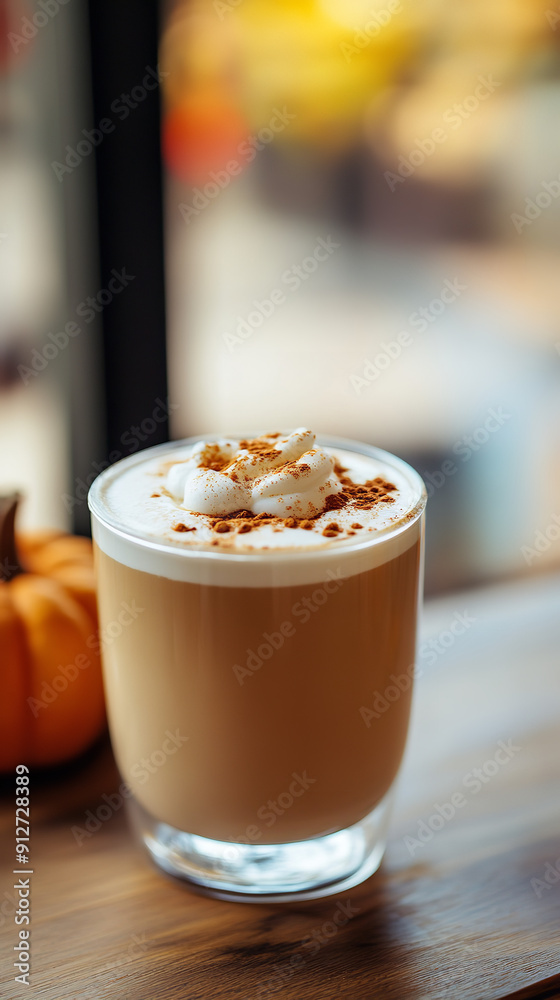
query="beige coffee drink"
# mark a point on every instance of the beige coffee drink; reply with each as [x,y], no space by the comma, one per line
[271,586]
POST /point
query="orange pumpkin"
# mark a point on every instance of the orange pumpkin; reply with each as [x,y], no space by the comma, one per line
[51,706]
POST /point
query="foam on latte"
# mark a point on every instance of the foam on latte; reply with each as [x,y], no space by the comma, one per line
[277,498]
[286,476]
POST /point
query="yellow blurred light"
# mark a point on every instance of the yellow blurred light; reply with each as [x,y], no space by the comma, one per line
[334,64]
[297,55]
[197,50]
[354,14]
[445,102]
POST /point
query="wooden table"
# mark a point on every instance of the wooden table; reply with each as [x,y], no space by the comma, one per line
[455,917]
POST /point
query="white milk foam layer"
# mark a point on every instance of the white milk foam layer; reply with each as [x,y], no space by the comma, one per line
[136,528]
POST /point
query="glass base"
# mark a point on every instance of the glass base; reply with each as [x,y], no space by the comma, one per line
[269,873]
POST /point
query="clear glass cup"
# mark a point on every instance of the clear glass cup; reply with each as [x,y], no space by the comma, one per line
[258,703]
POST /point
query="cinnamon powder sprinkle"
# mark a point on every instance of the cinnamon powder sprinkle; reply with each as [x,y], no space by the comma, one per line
[295,469]
[259,447]
[213,459]
[359,496]
[155,495]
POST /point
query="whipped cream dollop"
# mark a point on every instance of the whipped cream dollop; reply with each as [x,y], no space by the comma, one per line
[287,476]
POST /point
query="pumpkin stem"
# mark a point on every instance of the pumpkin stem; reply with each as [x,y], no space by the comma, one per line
[10,565]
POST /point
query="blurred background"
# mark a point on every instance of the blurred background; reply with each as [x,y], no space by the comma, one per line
[221,215]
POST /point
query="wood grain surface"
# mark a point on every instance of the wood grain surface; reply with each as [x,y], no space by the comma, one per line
[455,917]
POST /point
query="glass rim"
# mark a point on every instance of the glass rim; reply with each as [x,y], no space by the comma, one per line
[202,550]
